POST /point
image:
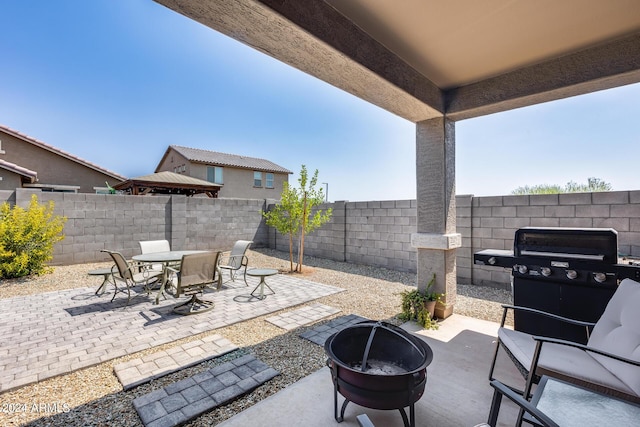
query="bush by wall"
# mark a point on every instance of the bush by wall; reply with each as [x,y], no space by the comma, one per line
[27,237]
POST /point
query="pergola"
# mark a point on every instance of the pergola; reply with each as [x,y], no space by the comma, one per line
[168,183]
[437,62]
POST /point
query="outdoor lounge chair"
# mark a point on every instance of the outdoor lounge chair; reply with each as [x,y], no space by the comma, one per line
[500,390]
[235,260]
[197,271]
[609,363]
[127,275]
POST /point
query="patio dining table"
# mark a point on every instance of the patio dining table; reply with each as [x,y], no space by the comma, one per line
[164,258]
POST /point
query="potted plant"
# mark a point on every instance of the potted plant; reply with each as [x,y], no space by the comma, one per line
[420,305]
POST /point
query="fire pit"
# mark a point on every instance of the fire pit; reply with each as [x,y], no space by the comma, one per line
[378,365]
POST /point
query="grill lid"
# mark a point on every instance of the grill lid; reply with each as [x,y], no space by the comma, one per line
[588,244]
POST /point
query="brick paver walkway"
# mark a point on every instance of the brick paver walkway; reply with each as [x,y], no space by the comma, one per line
[302,316]
[319,334]
[58,332]
[179,402]
[155,365]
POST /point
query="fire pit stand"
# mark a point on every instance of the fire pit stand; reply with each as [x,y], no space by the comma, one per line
[378,365]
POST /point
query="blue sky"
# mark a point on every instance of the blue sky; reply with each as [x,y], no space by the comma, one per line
[117,81]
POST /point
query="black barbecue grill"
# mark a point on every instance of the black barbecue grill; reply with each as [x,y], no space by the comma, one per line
[571,272]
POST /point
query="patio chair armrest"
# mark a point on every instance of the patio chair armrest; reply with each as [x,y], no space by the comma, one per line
[507,307]
[540,340]
[503,390]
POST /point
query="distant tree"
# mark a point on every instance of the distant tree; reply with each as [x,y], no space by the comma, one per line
[592,185]
[292,215]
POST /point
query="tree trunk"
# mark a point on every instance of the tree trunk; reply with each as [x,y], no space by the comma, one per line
[290,252]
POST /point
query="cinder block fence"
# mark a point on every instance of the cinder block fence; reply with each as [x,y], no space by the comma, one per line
[374,233]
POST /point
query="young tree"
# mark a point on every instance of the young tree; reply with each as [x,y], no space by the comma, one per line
[293,214]
[309,198]
[285,216]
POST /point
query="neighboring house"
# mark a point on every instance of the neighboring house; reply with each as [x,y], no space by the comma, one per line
[238,176]
[26,162]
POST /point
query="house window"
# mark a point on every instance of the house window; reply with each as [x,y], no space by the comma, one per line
[269,180]
[257,179]
[1,150]
[214,174]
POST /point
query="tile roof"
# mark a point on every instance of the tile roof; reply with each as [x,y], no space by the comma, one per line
[12,167]
[60,152]
[214,158]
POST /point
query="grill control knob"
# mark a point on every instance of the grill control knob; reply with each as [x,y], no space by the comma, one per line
[492,260]
[522,269]
[572,274]
[600,277]
[545,271]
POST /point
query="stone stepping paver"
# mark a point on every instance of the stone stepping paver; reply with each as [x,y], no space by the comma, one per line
[302,316]
[179,402]
[141,370]
[320,333]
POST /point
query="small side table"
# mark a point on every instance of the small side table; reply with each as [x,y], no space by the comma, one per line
[106,272]
[262,273]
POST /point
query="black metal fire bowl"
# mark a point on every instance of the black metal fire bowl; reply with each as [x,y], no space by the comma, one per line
[378,365]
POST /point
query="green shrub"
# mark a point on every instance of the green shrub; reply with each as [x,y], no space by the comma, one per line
[27,238]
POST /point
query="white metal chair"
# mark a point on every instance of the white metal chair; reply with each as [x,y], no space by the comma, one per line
[153,246]
[235,260]
[127,274]
[197,271]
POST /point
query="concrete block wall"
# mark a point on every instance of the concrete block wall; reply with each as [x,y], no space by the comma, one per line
[215,224]
[374,233]
[379,233]
[117,222]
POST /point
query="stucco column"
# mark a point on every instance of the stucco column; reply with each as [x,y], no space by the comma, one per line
[436,239]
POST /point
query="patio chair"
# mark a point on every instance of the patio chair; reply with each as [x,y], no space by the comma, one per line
[608,363]
[152,246]
[127,274]
[197,271]
[235,260]
[499,391]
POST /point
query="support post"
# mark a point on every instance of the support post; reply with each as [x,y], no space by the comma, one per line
[436,239]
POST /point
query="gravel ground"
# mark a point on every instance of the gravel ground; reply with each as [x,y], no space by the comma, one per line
[94,397]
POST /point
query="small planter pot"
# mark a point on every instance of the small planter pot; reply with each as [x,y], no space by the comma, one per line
[430,306]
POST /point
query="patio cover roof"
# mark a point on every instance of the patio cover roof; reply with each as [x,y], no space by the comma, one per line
[168,183]
[425,59]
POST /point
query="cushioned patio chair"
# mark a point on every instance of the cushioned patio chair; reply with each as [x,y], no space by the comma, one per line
[128,275]
[610,361]
[197,272]
[235,260]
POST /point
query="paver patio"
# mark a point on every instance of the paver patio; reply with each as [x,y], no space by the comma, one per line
[55,333]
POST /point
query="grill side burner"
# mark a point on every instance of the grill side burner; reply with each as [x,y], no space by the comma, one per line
[570,272]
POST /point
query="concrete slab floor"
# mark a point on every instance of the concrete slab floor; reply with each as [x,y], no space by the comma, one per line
[457,392]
